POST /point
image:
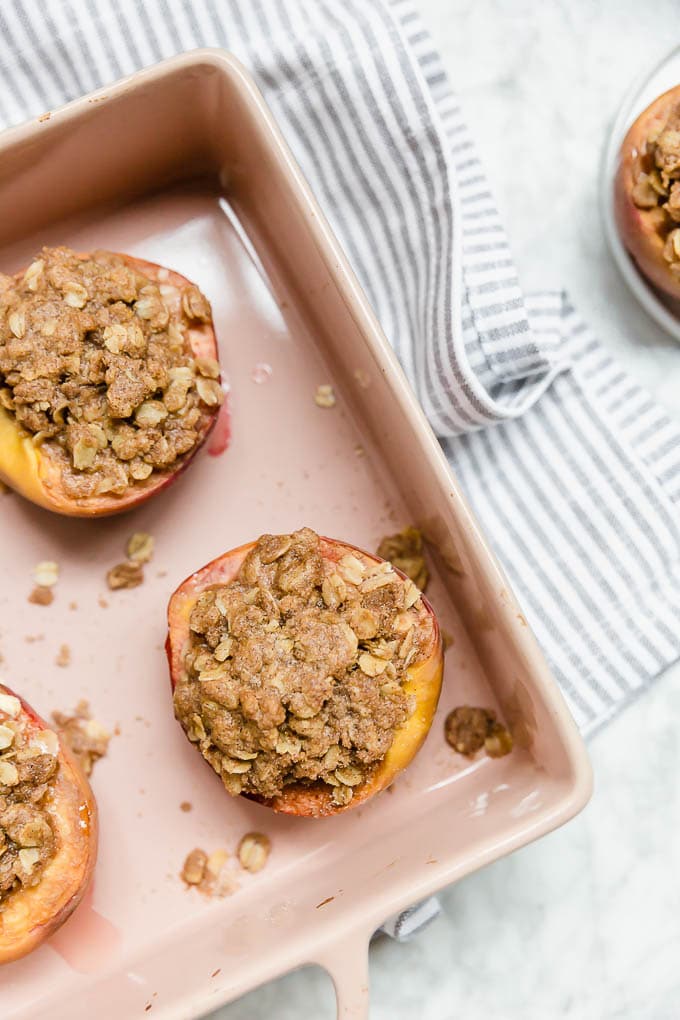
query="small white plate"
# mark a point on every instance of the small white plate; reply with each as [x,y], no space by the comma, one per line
[663,76]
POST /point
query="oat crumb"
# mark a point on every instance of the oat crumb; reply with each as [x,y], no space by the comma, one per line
[87,738]
[253,851]
[209,874]
[64,657]
[102,602]
[46,573]
[125,575]
[73,605]
[324,396]
[140,546]
[41,596]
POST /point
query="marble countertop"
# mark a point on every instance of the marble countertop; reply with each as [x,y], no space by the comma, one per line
[584,924]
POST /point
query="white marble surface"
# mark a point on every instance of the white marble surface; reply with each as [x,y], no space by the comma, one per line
[586,923]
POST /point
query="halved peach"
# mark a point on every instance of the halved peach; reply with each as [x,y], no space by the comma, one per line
[644,230]
[423,683]
[29,916]
[30,470]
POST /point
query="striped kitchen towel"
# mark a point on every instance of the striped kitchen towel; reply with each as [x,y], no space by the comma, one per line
[571,468]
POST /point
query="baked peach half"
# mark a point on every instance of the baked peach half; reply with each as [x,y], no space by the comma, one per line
[647,192]
[48,830]
[306,671]
[109,380]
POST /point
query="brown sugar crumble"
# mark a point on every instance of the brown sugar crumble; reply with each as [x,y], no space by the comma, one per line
[405,551]
[468,730]
[41,596]
[87,738]
[656,173]
[95,365]
[294,669]
[29,765]
[63,658]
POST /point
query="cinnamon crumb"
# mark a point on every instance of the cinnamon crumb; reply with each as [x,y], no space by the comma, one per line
[63,659]
[41,596]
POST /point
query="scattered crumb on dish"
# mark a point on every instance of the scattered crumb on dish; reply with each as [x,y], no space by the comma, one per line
[41,596]
[468,730]
[405,552]
[214,874]
[87,738]
[130,573]
[209,873]
[253,851]
[63,658]
[324,396]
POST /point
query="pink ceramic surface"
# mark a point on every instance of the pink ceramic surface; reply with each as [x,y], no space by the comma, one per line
[161,165]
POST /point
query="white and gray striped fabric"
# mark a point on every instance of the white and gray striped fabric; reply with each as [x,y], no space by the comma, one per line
[572,470]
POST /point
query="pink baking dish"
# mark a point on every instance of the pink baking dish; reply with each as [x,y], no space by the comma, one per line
[183,164]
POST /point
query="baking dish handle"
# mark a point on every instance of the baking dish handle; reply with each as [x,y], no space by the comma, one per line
[346,960]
